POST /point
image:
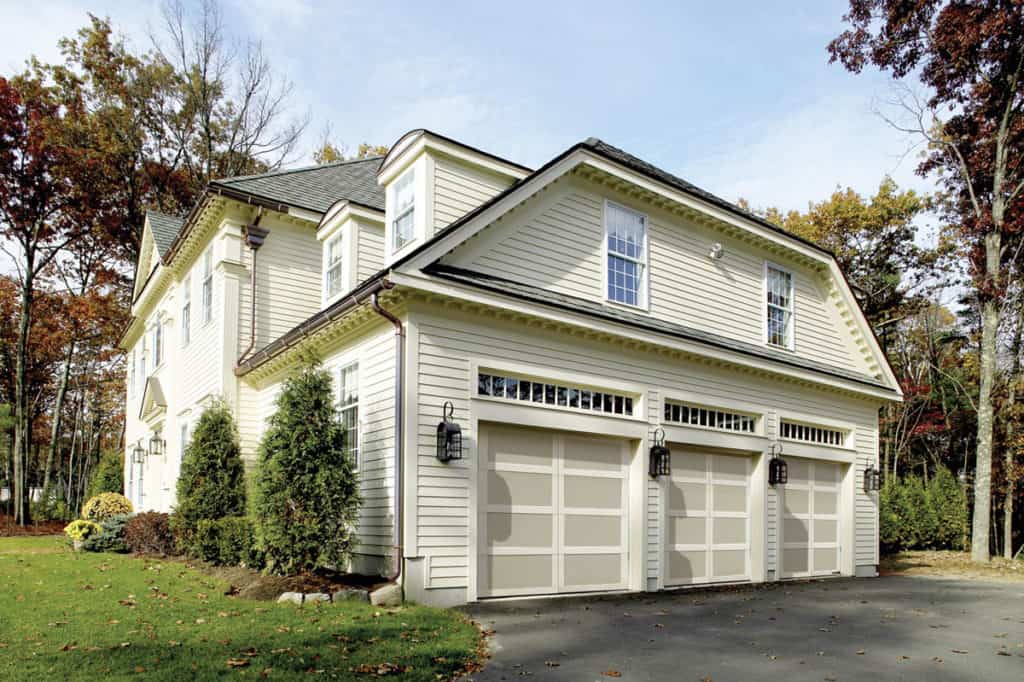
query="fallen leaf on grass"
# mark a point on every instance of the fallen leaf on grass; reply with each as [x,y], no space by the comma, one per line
[552,664]
[612,673]
[381,669]
[238,662]
[959,651]
[937,659]
[1003,652]
[70,646]
[860,652]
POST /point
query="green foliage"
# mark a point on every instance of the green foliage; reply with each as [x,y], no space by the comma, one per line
[229,541]
[110,538]
[108,477]
[80,529]
[150,533]
[307,498]
[949,502]
[106,505]
[212,480]
[50,508]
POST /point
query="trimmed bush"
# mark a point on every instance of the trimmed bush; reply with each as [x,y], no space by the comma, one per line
[108,477]
[227,542]
[307,497]
[949,502]
[211,484]
[110,538]
[913,517]
[105,506]
[150,533]
[80,529]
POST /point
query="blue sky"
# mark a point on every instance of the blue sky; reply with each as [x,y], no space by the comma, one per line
[738,98]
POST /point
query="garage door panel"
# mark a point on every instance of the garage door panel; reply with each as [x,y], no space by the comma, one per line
[686,496]
[826,560]
[796,530]
[590,492]
[826,473]
[519,572]
[810,523]
[520,488]
[826,530]
[729,498]
[729,562]
[592,531]
[796,501]
[730,531]
[592,571]
[689,465]
[798,471]
[519,446]
[519,530]
[686,565]
[592,453]
[826,503]
[729,468]
[796,560]
[687,530]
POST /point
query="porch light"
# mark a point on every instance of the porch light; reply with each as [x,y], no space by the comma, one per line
[138,454]
[661,457]
[449,436]
[156,445]
[778,471]
[872,479]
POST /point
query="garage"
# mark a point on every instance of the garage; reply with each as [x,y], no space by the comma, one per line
[554,512]
[810,519]
[707,531]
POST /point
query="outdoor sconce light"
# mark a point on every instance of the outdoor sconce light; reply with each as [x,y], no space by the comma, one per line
[716,251]
[778,471]
[872,479]
[156,445]
[661,457]
[138,454]
[449,436]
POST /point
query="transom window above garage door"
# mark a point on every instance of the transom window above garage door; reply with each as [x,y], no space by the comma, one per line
[709,417]
[809,433]
[556,394]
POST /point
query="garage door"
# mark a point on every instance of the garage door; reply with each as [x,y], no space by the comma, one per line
[810,519]
[554,513]
[707,535]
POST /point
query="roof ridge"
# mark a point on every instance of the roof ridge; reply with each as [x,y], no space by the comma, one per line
[300,169]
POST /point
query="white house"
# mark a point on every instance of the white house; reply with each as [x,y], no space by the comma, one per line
[570,316]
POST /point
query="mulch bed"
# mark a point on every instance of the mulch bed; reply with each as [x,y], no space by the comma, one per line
[10,529]
[249,584]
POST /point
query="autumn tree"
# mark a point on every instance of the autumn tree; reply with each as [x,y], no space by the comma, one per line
[969,56]
[328,150]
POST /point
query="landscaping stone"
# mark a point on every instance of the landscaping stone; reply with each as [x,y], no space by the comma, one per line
[351,593]
[388,595]
[317,596]
[293,597]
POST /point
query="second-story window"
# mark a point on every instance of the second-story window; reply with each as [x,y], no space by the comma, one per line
[186,311]
[402,227]
[132,372]
[333,274]
[158,344]
[627,260]
[208,286]
[779,311]
[348,409]
[142,359]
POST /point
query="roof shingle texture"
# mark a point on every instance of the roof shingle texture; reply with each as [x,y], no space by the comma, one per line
[316,188]
[165,228]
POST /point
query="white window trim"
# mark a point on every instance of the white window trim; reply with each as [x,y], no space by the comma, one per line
[357,460]
[339,239]
[207,280]
[791,341]
[393,247]
[645,279]
[133,373]
[186,305]
[158,350]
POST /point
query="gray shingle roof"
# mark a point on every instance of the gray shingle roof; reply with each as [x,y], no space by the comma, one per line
[316,188]
[524,291]
[165,228]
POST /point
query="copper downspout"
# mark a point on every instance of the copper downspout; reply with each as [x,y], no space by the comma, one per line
[399,386]
[254,238]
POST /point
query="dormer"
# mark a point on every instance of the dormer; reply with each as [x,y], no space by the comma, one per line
[430,181]
[352,239]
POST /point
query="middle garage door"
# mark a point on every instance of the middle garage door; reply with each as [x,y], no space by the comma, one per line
[707,534]
[554,513]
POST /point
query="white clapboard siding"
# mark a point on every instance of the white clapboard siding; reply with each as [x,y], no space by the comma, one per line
[450,341]
[459,188]
[555,242]
[370,258]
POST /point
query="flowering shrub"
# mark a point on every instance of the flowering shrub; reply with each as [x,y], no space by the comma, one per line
[81,529]
[106,505]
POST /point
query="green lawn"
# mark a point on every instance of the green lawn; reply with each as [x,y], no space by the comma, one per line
[66,615]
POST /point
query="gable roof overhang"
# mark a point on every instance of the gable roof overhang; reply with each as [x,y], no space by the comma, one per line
[409,146]
[153,405]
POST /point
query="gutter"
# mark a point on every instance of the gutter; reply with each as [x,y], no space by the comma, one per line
[254,238]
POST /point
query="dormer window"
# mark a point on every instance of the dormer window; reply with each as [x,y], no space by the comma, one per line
[333,281]
[779,302]
[403,227]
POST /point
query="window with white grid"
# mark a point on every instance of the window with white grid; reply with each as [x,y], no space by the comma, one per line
[709,417]
[208,285]
[186,311]
[779,290]
[809,433]
[402,227]
[627,239]
[348,409]
[334,266]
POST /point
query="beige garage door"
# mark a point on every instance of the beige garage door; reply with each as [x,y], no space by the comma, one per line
[554,512]
[810,519]
[707,534]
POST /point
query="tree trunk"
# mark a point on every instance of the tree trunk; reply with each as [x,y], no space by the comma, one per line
[1011,423]
[58,407]
[980,527]
[22,430]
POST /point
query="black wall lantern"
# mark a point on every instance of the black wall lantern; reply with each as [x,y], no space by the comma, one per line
[872,479]
[661,457]
[449,436]
[156,445]
[778,471]
[138,454]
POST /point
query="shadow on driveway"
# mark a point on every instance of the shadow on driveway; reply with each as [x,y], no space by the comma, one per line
[893,628]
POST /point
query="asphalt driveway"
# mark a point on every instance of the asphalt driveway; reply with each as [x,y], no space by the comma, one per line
[891,628]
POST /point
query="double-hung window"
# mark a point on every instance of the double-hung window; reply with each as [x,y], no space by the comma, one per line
[132,372]
[402,227]
[158,344]
[333,274]
[348,409]
[627,258]
[186,311]
[207,286]
[779,311]
[142,360]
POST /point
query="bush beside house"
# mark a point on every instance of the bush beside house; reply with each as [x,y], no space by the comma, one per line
[915,516]
[108,477]
[306,491]
[150,533]
[106,505]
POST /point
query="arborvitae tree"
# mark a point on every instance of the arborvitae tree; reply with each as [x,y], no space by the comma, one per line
[306,492]
[949,500]
[212,480]
[109,474]
[925,525]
